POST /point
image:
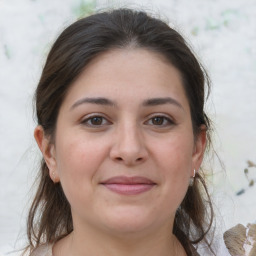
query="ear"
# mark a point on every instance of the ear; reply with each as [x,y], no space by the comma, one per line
[48,150]
[199,148]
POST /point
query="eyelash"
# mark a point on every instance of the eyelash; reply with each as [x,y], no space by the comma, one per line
[166,121]
[89,119]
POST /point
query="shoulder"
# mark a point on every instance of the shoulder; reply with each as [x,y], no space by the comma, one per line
[43,250]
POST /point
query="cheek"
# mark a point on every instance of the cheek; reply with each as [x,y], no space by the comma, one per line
[78,159]
[78,151]
[175,154]
[174,164]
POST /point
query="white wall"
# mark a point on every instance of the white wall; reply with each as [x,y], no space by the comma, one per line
[223,34]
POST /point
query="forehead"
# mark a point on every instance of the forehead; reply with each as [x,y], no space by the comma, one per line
[128,74]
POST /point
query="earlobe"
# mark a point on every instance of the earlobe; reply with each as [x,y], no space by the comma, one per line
[199,148]
[48,151]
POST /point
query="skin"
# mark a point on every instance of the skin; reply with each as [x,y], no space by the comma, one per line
[129,137]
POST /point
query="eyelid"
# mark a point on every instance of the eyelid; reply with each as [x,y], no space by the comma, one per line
[88,117]
[170,120]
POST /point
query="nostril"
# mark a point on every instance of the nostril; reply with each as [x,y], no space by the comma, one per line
[119,159]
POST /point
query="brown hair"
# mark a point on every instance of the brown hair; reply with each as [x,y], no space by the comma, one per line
[50,215]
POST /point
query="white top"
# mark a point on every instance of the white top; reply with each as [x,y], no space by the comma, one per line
[43,250]
[46,250]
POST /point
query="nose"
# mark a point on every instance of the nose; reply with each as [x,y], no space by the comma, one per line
[129,146]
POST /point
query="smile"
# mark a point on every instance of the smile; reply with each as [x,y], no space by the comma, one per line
[128,185]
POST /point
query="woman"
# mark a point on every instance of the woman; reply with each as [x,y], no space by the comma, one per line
[122,131]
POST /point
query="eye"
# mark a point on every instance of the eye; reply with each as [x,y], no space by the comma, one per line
[93,121]
[160,121]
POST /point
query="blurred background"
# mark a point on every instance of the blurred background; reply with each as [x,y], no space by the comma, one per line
[223,36]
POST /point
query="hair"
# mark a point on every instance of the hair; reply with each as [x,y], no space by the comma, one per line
[50,216]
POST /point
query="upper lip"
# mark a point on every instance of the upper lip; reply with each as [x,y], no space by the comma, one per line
[128,180]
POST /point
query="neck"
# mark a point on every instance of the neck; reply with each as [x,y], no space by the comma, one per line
[92,243]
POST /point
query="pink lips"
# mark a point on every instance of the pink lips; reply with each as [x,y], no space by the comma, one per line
[128,185]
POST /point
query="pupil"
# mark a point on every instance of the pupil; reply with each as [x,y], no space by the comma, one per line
[96,120]
[158,120]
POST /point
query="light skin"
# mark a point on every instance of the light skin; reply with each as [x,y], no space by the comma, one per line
[126,115]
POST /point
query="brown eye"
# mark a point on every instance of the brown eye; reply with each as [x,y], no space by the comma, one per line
[158,120]
[161,121]
[95,121]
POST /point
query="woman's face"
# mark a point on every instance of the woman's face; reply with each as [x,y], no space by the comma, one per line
[124,148]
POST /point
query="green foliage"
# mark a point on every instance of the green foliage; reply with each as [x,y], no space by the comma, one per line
[212,24]
[228,15]
[195,31]
[217,22]
[7,51]
[84,8]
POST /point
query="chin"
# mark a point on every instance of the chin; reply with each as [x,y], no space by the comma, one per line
[129,221]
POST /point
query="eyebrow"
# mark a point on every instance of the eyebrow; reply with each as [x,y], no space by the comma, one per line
[161,101]
[97,101]
[107,102]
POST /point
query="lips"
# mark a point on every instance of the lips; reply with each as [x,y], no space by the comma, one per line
[128,185]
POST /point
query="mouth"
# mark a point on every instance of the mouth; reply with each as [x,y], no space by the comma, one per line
[128,185]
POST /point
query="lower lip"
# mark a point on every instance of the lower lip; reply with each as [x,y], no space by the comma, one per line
[129,189]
